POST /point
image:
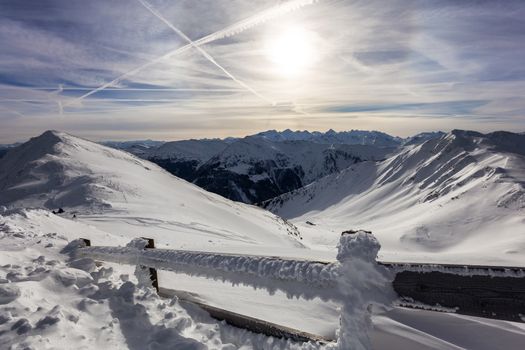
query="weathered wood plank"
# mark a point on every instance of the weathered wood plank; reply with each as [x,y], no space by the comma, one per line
[483,296]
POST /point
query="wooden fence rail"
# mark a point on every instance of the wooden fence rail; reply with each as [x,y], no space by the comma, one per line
[495,292]
[485,291]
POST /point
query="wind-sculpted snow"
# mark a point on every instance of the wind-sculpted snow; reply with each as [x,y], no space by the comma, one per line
[356,281]
[270,273]
[50,302]
[363,283]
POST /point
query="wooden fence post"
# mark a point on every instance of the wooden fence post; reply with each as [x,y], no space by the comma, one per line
[152,271]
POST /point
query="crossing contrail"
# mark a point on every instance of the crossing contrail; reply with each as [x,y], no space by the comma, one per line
[12,111]
[203,52]
[236,28]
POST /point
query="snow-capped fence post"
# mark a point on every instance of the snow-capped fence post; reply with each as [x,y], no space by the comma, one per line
[363,284]
[146,275]
[152,271]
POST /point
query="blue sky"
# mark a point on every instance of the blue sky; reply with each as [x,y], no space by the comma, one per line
[135,69]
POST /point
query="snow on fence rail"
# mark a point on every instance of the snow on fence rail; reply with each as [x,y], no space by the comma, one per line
[356,280]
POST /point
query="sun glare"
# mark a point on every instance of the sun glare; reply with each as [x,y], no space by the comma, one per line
[292,50]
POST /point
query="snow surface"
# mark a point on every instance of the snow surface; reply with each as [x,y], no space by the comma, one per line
[50,302]
[58,302]
[456,199]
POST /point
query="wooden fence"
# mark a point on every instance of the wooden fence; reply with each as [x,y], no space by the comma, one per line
[484,291]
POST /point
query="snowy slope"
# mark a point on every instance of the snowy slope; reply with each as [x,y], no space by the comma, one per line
[459,198]
[123,194]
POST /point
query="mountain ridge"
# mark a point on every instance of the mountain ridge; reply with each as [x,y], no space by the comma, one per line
[434,198]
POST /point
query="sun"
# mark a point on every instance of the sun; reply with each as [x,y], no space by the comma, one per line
[292,50]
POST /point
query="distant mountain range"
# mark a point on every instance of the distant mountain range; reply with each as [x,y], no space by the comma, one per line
[267,164]
[353,137]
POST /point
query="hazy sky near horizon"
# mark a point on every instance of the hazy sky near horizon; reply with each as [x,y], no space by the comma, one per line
[163,69]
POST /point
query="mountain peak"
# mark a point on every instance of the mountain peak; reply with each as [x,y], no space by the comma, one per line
[353,137]
[51,135]
[466,133]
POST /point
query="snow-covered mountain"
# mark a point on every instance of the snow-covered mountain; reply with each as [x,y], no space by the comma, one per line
[267,164]
[461,195]
[352,137]
[422,137]
[106,185]
[254,169]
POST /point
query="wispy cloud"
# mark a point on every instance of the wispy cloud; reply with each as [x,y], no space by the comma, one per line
[195,68]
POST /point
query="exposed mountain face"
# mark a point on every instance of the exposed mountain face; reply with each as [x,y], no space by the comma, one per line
[5,148]
[59,170]
[255,169]
[352,137]
[183,158]
[463,192]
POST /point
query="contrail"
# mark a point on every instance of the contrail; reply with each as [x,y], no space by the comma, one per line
[12,111]
[233,29]
[203,52]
